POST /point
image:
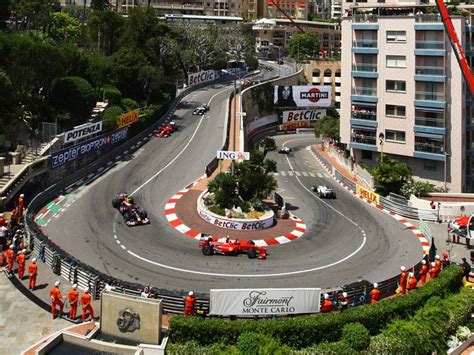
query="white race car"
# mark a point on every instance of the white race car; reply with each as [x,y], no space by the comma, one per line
[324,191]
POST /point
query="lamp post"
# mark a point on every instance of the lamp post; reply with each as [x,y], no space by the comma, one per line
[279,57]
[446,155]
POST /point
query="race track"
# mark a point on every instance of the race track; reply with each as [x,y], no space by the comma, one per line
[346,239]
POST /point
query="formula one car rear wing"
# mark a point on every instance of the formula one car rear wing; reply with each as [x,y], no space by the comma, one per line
[463,226]
[458,50]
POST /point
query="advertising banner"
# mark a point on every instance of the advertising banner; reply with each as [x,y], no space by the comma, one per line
[367,194]
[264,301]
[291,126]
[201,77]
[128,118]
[261,121]
[303,115]
[236,224]
[235,71]
[230,155]
[78,151]
[303,96]
[82,131]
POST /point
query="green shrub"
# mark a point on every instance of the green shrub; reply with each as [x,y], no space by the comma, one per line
[192,347]
[110,116]
[112,95]
[356,336]
[326,349]
[129,104]
[255,343]
[217,210]
[304,331]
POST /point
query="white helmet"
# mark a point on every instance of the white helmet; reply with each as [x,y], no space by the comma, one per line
[190,293]
[33,260]
[403,268]
[344,294]
[437,257]
[411,274]
[57,283]
[24,251]
[376,285]
[74,286]
[433,263]
[22,195]
[11,246]
[1,214]
[86,290]
[326,296]
[423,262]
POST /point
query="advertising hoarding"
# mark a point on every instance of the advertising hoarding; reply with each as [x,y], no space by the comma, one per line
[264,301]
[261,121]
[78,151]
[367,194]
[128,118]
[236,224]
[201,77]
[230,155]
[82,131]
[303,115]
[303,96]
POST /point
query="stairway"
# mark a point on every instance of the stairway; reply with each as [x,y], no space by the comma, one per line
[32,154]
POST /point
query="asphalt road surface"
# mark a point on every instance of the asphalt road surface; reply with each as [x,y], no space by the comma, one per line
[346,240]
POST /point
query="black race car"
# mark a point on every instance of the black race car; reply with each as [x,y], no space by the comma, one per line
[129,210]
[284,150]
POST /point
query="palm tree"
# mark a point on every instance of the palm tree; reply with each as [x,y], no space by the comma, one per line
[268,144]
[224,188]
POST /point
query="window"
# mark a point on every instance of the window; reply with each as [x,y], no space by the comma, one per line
[396,85]
[396,36]
[395,136]
[394,110]
[396,61]
[429,165]
[366,155]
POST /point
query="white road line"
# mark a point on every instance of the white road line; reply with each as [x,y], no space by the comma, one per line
[282,173]
[297,173]
[290,173]
[276,174]
[320,175]
[305,173]
[312,175]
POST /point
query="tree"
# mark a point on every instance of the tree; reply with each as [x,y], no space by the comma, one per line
[35,14]
[328,127]
[105,30]
[75,96]
[268,144]
[303,45]
[128,63]
[63,28]
[100,5]
[251,62]
[418,188]
[391,174]
[224,188]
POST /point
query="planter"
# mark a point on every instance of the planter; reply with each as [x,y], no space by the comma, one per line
[250,224]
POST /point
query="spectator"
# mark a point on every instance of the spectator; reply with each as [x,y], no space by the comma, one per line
[146,293]
[189,304]
[466,269]
[56,299]
[86,305]
[33,271]
[327,304]
[375,294]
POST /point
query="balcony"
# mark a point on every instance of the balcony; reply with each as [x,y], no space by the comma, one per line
[365,46]
[433,74]
[430,45]
[428,151]
[430,96]
[364,94]
[363,114]
[364,141]
[429,122]
[364,18]
[427,18]
[361,139]
[364,70]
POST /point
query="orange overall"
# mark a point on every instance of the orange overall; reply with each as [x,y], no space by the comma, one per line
[327,306]
[433,272]
[403,282]
[374,295]
[73,298]
[10,260]
[412,283]
[423,272]
[56,300]
[86,306]
[189,303]
[33,270]
[20,259]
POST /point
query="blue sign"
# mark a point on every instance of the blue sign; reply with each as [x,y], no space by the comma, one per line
[78,151]
[239,72]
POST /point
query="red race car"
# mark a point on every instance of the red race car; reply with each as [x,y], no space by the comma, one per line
[166,130]
[226,246]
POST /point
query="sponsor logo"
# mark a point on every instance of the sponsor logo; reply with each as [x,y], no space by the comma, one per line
[367,194]
[82,132]
[303,115]
[314,95]
[127,118]
[230,155]
[201,77]
[258,302]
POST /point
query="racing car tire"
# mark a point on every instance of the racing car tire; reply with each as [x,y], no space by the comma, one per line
[252,253]
[207,250]
[143,214]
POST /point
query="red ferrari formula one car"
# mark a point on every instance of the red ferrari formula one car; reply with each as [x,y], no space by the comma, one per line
[129,210]
[225,246]
[166,130]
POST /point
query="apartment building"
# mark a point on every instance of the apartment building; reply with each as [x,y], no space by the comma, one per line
[297,10]
[403,93]
[325,72]
[275,34]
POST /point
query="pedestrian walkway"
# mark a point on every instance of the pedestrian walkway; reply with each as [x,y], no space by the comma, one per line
[301,173]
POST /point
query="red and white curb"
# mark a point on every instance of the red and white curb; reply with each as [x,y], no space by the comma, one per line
[170,209]
[421,237]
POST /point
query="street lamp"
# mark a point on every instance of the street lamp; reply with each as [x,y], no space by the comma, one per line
[446,155]
[235,114]
[279,56]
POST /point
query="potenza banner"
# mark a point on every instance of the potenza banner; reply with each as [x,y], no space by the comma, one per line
[303,96]
[265,301]
[128,118]
[303,115]
[201,77]
[78,151]
[82,131]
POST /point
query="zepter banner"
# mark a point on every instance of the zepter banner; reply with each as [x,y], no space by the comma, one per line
[303,96]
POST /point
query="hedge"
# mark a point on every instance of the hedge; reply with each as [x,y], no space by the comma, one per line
[304,331]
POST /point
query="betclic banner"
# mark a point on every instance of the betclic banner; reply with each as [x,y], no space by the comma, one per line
[202,77]
[128,118]
[78,151]
[303,115]
[82,131]
[264,301]
[303,96]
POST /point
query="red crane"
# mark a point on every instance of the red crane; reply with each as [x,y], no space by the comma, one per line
[286,15]
[458,50]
